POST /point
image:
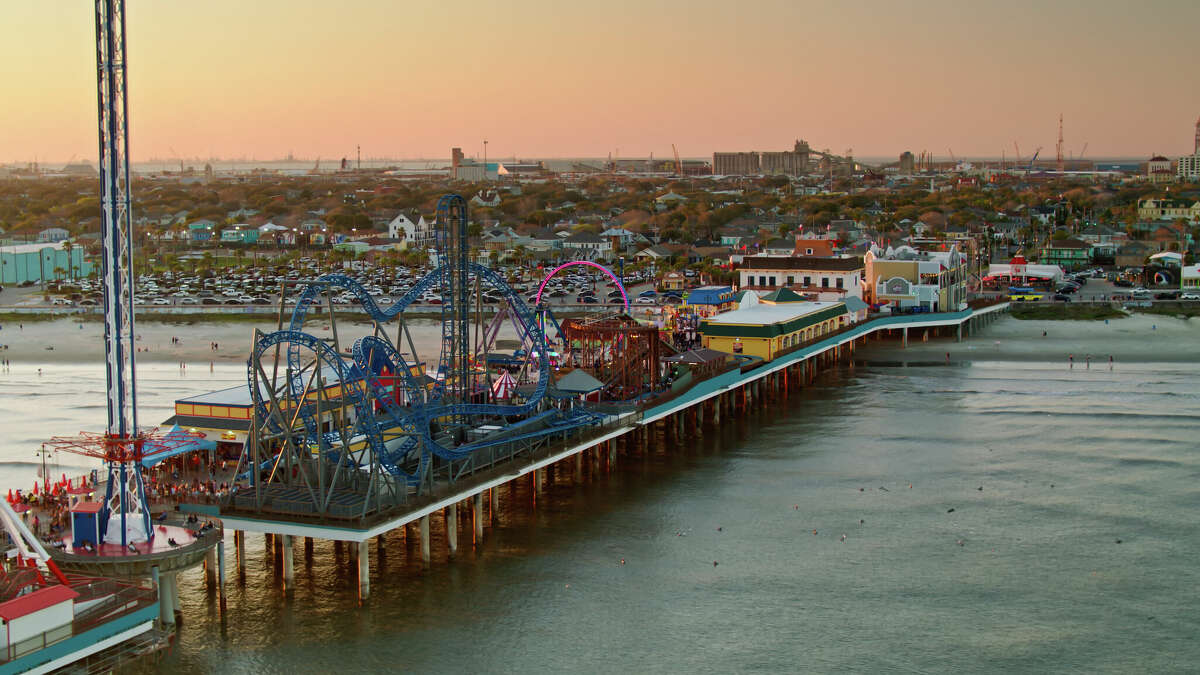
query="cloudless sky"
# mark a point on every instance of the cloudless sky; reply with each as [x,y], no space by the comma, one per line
[548,78]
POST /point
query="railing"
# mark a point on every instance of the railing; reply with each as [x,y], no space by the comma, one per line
[123,599]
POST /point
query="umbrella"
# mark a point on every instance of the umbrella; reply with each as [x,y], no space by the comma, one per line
[81,490]
[21,508]
[504,385]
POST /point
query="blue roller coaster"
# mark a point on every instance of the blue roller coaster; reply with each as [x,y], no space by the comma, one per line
[342,435]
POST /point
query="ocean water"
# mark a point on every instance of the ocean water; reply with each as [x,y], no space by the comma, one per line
[1003,510]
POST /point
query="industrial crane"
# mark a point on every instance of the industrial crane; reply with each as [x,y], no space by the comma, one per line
[678,164]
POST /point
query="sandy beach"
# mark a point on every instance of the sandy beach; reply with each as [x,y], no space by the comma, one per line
[195,344]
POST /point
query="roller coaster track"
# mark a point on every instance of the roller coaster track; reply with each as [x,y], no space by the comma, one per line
[377,411]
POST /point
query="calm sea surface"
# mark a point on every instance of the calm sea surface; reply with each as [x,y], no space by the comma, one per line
[981,499]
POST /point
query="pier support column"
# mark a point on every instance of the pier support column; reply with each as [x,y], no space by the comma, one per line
[221,573]
[579,467]
[239,539]
[477,515]
[289,565]
[904,339]
[452,527]
[716,410]
[424,525]
[364,570]
[166,599]
[958,333]
[612,454]
[210,567]
[539,476]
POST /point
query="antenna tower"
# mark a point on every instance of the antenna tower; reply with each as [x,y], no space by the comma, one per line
[1060,144]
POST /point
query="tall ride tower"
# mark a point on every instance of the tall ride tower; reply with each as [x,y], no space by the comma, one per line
[124,514]
[1196,150]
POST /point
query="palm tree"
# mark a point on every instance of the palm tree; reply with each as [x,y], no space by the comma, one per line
[67,246]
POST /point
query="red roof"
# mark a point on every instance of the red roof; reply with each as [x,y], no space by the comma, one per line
[32,602]
[87,507]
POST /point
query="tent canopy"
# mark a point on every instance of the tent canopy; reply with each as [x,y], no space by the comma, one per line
[578,382]
[178,442]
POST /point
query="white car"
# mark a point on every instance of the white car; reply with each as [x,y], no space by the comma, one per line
[161,301]
[1190,296]
[643,301]
[187,300]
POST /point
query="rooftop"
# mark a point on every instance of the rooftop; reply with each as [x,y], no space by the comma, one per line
[769,314]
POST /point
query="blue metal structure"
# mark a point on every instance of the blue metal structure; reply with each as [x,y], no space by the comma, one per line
[366,441]
[125,493]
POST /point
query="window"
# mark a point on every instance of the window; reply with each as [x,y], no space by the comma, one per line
[824,282]
[808,251]
[839,282]
[772,281]
[791,280]
[807,282]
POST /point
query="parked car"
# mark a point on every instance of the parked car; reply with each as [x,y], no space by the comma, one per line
[1166,295]
[1189,296]
[1060,297]
[643,300]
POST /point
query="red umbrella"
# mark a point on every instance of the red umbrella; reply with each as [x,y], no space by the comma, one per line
[81,490]
[21,508]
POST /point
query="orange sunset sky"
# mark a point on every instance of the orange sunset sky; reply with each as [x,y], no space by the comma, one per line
[542,78]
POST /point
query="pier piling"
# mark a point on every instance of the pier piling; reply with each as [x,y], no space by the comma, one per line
[451,513]
[477,516]
[424,524]
[364,570]
[289,565]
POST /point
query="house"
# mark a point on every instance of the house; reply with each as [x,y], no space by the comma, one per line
[834,277]
[544,240]
[779,247]
[668,201]
[240,234]
[201,230]
[1167,209]
[1134,253]
[621,237]
[417,232]
[589,246]
[487,198]
[656,252]
[52,235]
[672,281]
[1070,254]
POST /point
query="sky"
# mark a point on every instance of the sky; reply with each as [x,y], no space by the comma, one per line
[546,78]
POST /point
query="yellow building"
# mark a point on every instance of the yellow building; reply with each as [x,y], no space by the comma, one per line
[764,330]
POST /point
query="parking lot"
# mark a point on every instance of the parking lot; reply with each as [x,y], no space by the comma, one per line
[580,288]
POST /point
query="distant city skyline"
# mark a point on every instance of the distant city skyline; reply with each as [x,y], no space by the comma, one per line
[543,79]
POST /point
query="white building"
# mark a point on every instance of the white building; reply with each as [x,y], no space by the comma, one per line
[589,246]
[829,279]
[1188,168]
[1189,278]
[419,233]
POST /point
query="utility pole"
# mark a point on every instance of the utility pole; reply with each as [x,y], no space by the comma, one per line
[485,160]
[358,149]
